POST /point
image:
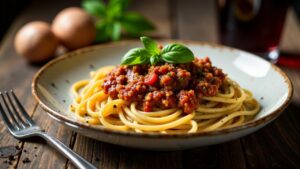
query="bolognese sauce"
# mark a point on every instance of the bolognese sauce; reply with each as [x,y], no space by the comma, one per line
[165,85]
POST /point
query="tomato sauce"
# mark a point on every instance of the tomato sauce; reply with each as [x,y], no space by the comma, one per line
[165,85]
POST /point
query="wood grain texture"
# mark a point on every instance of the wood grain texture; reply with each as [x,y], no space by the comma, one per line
[231,155]
[41,154]
[158,12]
[278,144]
[16,74]
[201,158]
[291,32]
[196,20]
[102,155]
[38,152]
[17,80]
[295,78]
[135,159]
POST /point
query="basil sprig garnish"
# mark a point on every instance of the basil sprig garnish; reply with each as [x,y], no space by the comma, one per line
[113,18]
[151,53]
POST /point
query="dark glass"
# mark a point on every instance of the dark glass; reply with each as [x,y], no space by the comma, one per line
[252,25]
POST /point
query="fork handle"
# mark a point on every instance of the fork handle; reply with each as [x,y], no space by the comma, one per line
[77,160]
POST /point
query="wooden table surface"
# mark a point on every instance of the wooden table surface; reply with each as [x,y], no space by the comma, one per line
[275,146]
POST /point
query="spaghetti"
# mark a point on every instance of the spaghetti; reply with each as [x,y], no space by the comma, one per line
[229,107]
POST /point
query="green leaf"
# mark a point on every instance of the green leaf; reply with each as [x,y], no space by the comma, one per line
[154,59]
[107,31]
[104,30]
[94,7]
[135,24]
[125,4]
[114,12]
[122,3]
[116,31]
[112,18]
[115,9]
[150,45]
[177,53]
[136,56]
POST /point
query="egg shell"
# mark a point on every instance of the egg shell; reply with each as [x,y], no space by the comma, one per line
[74,28]
[35,41]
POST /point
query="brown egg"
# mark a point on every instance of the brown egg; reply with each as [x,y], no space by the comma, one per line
[74,28]
[35,41]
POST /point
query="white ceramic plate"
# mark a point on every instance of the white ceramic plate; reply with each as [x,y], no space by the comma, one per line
[270,86]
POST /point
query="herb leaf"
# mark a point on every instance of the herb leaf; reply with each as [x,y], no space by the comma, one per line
[117,5]
[103,31]
[150,45]
[112,17]
[135,24]
[114,9]
[171,53]
[154,59]
[116,31]
[94,7]
[136,56]
[177,53]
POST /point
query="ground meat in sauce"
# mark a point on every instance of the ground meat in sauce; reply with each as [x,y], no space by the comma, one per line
[165,86]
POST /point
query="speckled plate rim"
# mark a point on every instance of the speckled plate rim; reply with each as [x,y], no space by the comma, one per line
[64,118]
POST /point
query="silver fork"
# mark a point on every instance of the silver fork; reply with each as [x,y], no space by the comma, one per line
[21,126]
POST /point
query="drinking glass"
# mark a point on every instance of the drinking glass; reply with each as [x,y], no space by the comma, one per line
[252,25]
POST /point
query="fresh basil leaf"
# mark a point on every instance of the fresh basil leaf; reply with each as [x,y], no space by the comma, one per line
[104,31]
[122,3]
[114,18]
[115,9]
[94,7]
[107,31]
[116,31]
[125,4]
[177,53]
[154,59]
[135,24]
[136,56]
[150,45]
[114,13]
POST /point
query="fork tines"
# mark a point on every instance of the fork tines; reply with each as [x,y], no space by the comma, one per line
[12,112]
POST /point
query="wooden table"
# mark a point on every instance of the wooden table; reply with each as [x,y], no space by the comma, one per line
[275,146]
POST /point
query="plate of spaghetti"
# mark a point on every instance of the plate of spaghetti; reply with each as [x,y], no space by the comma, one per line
[162,95]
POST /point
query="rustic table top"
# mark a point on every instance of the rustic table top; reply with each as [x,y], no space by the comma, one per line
[275,146]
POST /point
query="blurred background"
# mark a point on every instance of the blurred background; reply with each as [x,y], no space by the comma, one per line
[259,26]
